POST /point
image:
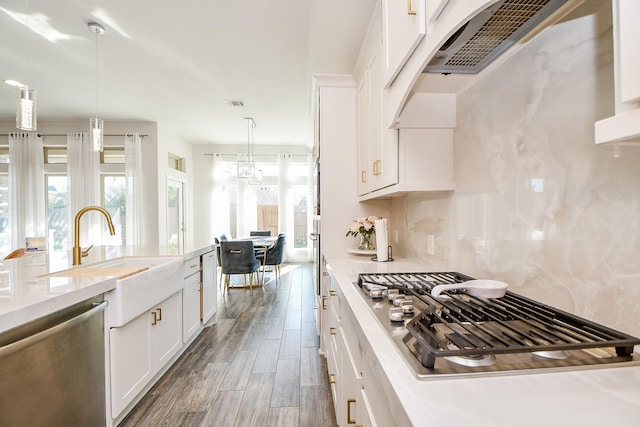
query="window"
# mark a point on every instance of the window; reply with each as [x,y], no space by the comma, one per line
[5,231]
[176,163]
[298,175]
[300,215]
[57,213]
[278,203]
[112,155]
[113,199]
[267,208]
[55,155]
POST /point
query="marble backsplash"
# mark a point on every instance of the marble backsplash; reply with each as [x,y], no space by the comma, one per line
[538,204]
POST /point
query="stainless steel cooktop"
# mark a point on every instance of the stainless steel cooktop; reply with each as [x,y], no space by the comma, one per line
[458,334]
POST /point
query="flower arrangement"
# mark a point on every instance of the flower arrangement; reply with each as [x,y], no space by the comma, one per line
[365,228]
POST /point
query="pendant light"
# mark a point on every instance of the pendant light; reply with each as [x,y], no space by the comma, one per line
[26,113]
[247,169]
[96,125]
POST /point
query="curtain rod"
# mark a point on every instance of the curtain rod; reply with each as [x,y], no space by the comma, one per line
[64,134]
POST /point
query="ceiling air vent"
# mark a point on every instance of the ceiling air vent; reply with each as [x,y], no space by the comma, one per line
[234,103]
[488,34]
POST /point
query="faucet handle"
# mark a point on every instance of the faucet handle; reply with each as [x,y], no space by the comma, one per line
[86,251]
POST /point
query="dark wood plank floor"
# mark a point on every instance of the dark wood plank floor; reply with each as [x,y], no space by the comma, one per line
[257,366]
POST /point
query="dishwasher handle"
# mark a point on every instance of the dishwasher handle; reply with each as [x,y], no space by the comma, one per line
[37,337]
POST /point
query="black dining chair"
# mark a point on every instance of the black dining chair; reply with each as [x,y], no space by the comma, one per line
[238,257]
[260,233]
[274,255]
[217,242]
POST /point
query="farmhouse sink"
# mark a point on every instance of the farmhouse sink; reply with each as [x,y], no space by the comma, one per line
[141,283]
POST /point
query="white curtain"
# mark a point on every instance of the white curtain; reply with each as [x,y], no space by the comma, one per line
[26,188]
[134,189]
[83,171]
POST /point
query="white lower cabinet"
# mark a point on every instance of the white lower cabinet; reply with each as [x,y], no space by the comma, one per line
[209,291]
[343,359]
[358,388]
[140,348]
[190,307]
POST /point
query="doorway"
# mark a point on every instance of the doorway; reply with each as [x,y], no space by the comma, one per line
[175,216]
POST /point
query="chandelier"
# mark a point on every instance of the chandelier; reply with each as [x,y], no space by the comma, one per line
[247,168]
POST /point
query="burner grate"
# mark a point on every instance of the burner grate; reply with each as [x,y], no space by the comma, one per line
[460,325]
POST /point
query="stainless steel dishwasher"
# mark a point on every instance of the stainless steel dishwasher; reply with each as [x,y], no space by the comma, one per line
[52,369]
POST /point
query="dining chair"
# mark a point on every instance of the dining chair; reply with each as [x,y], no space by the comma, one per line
[274,255]
[260,233]
[237,257]
[217,242]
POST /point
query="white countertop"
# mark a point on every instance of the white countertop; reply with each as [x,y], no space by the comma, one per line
[25,296]
[583,398]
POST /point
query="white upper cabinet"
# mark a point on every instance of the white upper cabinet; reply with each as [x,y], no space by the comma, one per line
[403,27]
[628,50]
[625,125]
[377,146]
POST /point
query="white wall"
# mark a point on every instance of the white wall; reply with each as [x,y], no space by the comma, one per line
[538,204]
[171,143]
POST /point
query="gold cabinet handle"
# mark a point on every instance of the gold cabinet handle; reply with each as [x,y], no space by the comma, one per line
[410,10]
[363,176]
[332,379]
[159,310]
[324,302]
[349,402]
[332,331]
[332,293]
[376,167]
[155,318]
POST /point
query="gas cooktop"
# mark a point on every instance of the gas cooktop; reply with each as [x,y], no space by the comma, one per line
[457,333]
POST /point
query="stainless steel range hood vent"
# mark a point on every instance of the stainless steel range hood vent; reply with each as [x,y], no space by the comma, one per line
[488,34]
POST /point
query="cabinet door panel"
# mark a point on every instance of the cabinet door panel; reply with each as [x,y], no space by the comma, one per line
[131,361]
[403,26]
[168,330]
[629,52]
[363,134]
[209,286]
[190,307]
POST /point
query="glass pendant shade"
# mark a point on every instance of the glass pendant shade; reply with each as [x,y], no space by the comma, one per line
[97,134]
[246,169]
[26,115]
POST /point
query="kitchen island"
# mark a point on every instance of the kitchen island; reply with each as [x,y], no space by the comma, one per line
[156,302]
[390,394]
[25,295]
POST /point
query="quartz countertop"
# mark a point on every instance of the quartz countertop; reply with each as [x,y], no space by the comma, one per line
[25,295]
[593,397]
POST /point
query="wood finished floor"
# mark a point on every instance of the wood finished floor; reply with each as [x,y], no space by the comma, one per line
[257,366]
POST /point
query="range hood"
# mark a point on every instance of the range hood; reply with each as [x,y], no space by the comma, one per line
[489,34]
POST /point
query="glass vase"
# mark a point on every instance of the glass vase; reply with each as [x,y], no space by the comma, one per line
[367,242]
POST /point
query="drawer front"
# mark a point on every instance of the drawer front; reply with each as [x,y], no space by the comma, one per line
[191,266]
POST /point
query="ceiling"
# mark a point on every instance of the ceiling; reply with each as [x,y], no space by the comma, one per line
[180,65]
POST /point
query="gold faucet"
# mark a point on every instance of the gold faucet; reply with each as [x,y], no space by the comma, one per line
[76,230]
